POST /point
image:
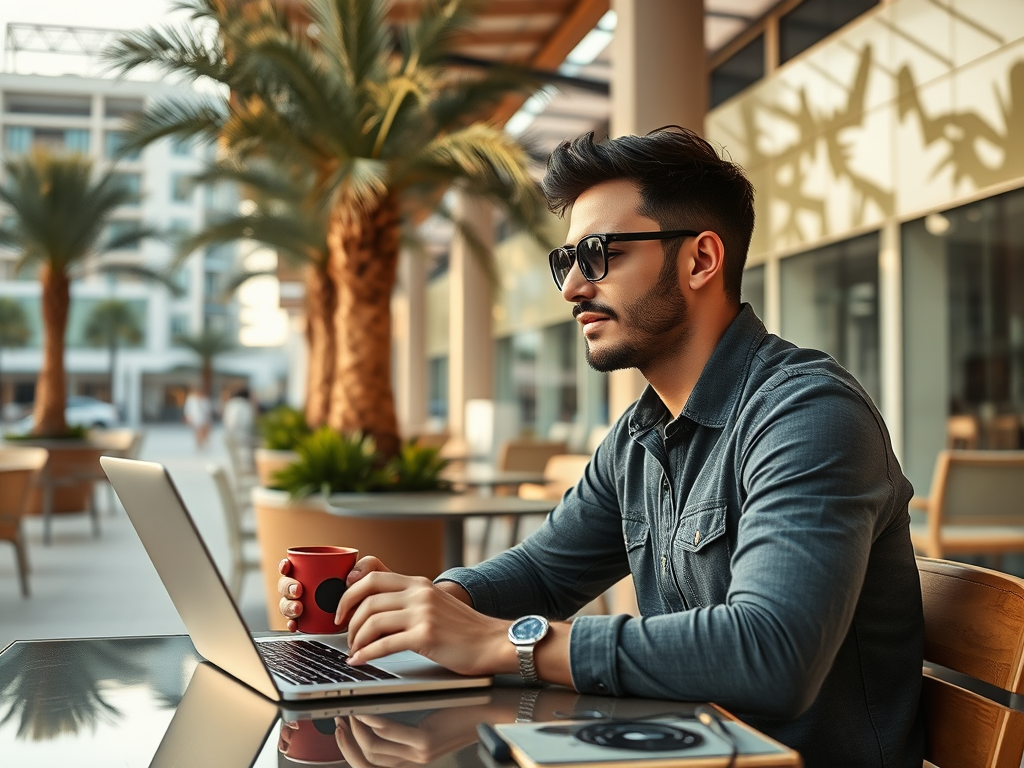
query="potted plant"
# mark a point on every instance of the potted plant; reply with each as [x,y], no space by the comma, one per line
[328,467]
[281,430]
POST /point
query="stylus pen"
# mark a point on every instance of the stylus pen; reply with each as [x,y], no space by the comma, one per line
[496,746]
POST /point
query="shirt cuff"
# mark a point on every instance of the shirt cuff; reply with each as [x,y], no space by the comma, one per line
[478,588]
[593,649]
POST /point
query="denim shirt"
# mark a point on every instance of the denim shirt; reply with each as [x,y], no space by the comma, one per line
[767,533]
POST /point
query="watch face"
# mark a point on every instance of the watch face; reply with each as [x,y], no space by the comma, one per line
[525,630]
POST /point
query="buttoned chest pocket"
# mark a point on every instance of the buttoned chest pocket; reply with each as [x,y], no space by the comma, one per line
[701,553]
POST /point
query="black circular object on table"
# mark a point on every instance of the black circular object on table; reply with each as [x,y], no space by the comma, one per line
[639,735]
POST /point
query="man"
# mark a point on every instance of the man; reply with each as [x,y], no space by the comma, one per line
[751,491]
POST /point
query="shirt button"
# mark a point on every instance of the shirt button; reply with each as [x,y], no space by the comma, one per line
[602,688]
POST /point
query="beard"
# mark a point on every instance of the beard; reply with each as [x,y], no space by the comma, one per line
[657,312]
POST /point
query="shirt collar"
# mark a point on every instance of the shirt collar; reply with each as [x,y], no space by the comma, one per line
[720,383]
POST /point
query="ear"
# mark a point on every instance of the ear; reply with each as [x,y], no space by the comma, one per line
[708,261]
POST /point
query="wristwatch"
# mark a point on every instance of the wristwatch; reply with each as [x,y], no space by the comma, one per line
[525,633]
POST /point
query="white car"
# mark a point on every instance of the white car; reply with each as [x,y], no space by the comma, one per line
[80,411]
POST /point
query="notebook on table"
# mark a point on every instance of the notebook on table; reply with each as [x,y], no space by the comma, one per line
[292,667]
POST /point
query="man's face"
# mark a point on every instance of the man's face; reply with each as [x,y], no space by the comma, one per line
[637,313]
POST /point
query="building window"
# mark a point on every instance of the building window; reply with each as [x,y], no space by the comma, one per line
[963,327]
[830,302]
[77,141]
[120,107]
[132,182]
[752,289]
[739,71]
[437,388]
[120,228]
[179,327]
[814,20]
[47,104]
[17,139]
[181,187]
[113,141]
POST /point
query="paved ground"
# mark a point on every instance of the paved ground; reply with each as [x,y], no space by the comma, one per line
[87,587]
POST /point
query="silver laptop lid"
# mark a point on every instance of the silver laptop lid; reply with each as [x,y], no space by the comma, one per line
[188,572]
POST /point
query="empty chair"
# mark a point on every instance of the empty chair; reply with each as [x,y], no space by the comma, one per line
[976,505]
[238,531]
[962,432]
[974,626]
[561,473]
[243,476]
[19,470]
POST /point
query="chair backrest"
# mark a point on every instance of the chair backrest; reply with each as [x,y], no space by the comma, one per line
[1004,432]
[19,468]
[114,442]
[566,468]
[962,432]
[232,515]
[978,488]
[528,455]
[974,625]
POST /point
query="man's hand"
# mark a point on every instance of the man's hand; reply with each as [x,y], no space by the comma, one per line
[386,612]
[290,589]
[366,741]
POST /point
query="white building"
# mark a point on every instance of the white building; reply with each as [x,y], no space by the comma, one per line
[87,115]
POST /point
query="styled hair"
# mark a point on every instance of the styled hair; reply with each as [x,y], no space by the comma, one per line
[684,184]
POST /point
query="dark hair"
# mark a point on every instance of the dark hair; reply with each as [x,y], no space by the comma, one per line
[683,182]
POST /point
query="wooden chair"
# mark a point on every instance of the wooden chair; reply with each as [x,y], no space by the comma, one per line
[976,505]
[974,626]
[561,472]
[239,531]
[962,432]
[19,470]
[520,456]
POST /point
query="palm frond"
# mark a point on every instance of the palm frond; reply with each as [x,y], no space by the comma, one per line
[129,238]
[161,277]
[354,36]
[188,51]
[427,42]
[183,117]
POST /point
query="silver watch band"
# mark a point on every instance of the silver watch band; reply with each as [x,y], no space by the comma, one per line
[527,668]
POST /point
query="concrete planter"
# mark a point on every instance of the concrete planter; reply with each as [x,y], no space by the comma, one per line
[269,461]
[412,547]
[67,457]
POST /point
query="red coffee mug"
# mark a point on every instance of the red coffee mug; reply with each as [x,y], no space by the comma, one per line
[311,742]
[322,572]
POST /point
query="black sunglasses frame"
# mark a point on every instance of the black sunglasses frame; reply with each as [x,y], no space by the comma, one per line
[604,238]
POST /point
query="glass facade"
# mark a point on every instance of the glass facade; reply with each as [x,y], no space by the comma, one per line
[963,320]
[752,289]
[830,302]
[437,388]
[739,71]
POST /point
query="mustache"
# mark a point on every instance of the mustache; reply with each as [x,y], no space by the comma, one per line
[593,306]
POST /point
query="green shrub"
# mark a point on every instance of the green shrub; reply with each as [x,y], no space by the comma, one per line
[418,468]
[333,463]
[284,428]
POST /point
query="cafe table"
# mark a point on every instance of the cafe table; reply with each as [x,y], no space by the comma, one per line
[486,477]
[152,701]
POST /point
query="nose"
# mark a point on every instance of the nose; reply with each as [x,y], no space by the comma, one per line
[576,287]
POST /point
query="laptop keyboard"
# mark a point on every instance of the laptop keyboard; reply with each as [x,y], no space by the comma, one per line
[308,662]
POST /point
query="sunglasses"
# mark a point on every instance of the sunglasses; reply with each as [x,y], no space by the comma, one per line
[591,253]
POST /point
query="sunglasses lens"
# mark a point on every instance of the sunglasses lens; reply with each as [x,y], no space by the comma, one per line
[561,262]
[590,254]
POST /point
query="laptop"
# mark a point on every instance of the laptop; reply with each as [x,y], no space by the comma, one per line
[219,722]
[282,668]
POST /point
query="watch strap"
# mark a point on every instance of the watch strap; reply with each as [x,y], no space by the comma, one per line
[527,666]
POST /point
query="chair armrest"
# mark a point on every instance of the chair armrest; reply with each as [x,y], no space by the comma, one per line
[539,492]
[919,502]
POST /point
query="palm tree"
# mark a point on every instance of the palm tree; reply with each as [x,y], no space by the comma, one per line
[282,219]
[111,323]
[382,120]
[59,219]
[207,344]
[15,330]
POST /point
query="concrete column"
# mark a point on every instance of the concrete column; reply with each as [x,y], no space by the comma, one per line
[471,348]
[409,308]
[890,319]
[659,77]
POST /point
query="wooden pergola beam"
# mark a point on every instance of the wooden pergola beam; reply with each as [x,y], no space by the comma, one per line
[574,26]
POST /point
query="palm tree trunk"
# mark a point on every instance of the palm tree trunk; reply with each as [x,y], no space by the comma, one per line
[321,343]
[51,387]
[363,265]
